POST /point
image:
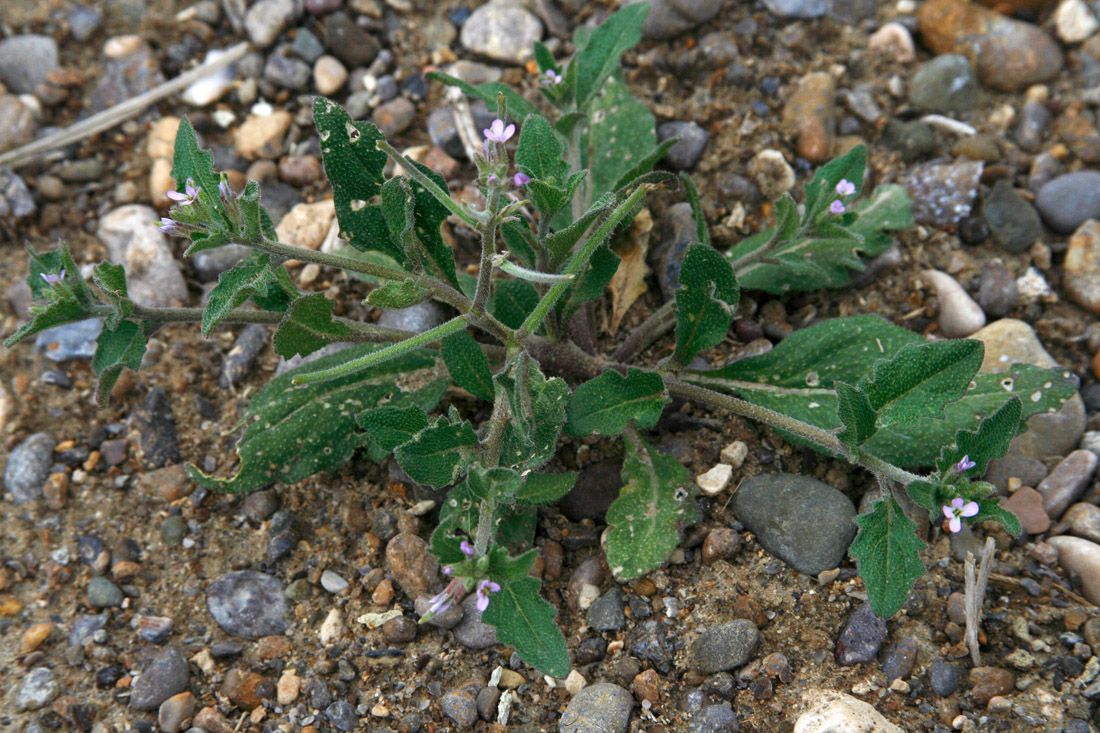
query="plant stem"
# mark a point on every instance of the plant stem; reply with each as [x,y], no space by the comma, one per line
[376,357]
[488,249]
[581,259]
[462,212]
[658,323]
[821,438]
[487,514]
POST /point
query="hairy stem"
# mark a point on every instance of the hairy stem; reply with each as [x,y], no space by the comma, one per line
[821,438]
[367,360]
[462,212]
[658,323]
[488,249]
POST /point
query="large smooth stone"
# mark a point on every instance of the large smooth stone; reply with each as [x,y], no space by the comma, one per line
[1081,558]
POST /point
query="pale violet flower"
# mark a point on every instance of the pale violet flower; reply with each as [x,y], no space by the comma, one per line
[484,588]
[958,509]
[467,548]
[837,207]
[187,197]
[964,464]
[493,178]
[845,187]
[553,76]
[53,278]
[498,133]
[440,602]
[521,179]
[168,226]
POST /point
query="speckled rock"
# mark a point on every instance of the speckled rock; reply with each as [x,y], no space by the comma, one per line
[502,31]
[809,114]
[804,522]
[862,636]
[28,467]
[36,690]
[989,682]
[1010,341]
[725,647]
[307,224]
[945,84]
[944,678]
[1081,269]
[414,568]
[827,711]
[598,708]
[153,274]
[248,604]
[1008,54]
[1068,201]
[166,675]
[943,193]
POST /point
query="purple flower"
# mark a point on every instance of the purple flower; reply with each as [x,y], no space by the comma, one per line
[53,278]
[837,207]
[224,189]
[467,548]
[958,509]
[484,588]
[169,226]
[964,464]
[493,178]
[498,133]
[440,602]
[845,187]
[553,76]
[521,179]
[187,197]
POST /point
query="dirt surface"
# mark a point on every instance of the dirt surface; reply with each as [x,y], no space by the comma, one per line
[127,505]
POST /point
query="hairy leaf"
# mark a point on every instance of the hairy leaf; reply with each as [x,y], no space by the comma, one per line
[539,153]
[117,346]
[111,281]
[608,403]
[439,453]
[468,365]
[600,56]
[308,326]
[189,162]
[525,621]
[705,303]
[391,426]
[591,283]
[397,294]
[702,231]
[855,413]
[621,131]
[653,505]
[503,568]
[48,316]
[645,165]
[52,263]
[991,508]
[887,551]
[545,488]
[989,441]
[244,280]
[513,301]
[531,436]
[518,107]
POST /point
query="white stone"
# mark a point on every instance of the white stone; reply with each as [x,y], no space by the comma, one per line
[1081,558]
[152,274]
[715,480]
[575,682]
[306,224]
[734,454]
[836,712]
[1091,441]
[1033,287]
[894,41]
[773,174]
[1074,22]
[265,20]
[960,316]
[333,583]
[287,689]
[7,408]
[332,628]
[329,75]
[213,87]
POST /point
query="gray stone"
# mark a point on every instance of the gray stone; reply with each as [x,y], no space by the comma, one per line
[1012,219]
[173,530]
[1067,482]
[152,273]
[714,719]
[899,661]
[238,362]
[599,708]
[133,71]
[248,604]
[69,341]
[997,292]
[668,18]
[945,84]
[84,21]
[1068,201]
[26,61]
[307,45]
[165,676]
[471,632]
[678,232]
[943,193]
[287,72]
[156,428]
[16,201]
[102,593]
[606,612]
[686,153]
[861,638]
[597,486]
[416,319]
[944,678]
[1029,470]
[28,467]
[797,8]
[266,19]
[800,520]
[1033,122]
[650,642]
[444,133]
[461,708]
[342,715]
[36,690]
[725,647]
[503,32]
[348,42]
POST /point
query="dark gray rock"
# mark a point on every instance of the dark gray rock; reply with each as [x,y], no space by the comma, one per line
[1012,219]
[797,8]
[597,486]
[686,153]
[173,530]
[997,291]
[606,613]
[342,715]
[913,140]
[725,647]
[287,72]
[668,18]
[861,638]
[156,429]
[213,262]
[28,467]
[471,632]
[238,362]
[1066,202]
[248,604]
[678,232]
[26,61]
[36,690]
[714,719]
[165,676]
[69,341]
[599,708]
[307,45]
[804,522]
[944,678]
[16,200]
[102,593]
[947,83]
[1030,471]
[348,42]
[899,661]
[487,700]
[650,642]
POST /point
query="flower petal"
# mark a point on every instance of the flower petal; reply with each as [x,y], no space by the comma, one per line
[947,512]
[955,525]
[970,509]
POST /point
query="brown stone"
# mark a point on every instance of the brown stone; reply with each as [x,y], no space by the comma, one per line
[438,160]
[212,721]
[164,484]
[1027,505]
[263,136]
[1084,521]
[646,686]
[1067,482]
[1081,271]
[247,690]
[1081,561]
[414,568]
[273,647]
[56,490]
[809,114]
[384,593]
[720,544]
[988,682]
[35,635]
[1079,134]
[299,170]
[1009,55]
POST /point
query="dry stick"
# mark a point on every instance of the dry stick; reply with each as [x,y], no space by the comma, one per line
[975,595]
[121,112]
[464,121]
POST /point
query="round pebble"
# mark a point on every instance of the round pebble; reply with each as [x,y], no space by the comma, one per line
[248,604]
[725,647]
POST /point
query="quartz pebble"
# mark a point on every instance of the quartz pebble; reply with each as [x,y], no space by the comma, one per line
[943,193]
[960,316]
[827,711]
[262,136]
[36,690]
[211,88]
[773,174]
[734,454]
[501,31]
[329,75]
[153,276]
[1074,21]
[1081,558]
[266,19]
[894,41]
[715,480]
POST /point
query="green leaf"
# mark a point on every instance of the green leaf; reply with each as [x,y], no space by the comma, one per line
[544,58]
[308,326]
[503,568]
[989,441]
[52,263]
[702,231]
[353,165]
[561,243]
[591,283]
[531,436]
[546,198]
[397,294]
[600,56]
[468,365]
[621,131]
[822,189]
[888,208]
[539,153]
[568,122]
[525,621]
[653,505]
[295,432]
[705,303]
[520,241]
[513,301]
[608,403]
[460,515]
[925,494]
[111,281]
[887,551]
[545,488]
[991,509]
[438,454]
[428,216]
[856,413]
[397,210]
[248,278]
[645,165]
[281,291]
[48,316]
[518,107]
[191,162]
[117,347]
[392,426]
